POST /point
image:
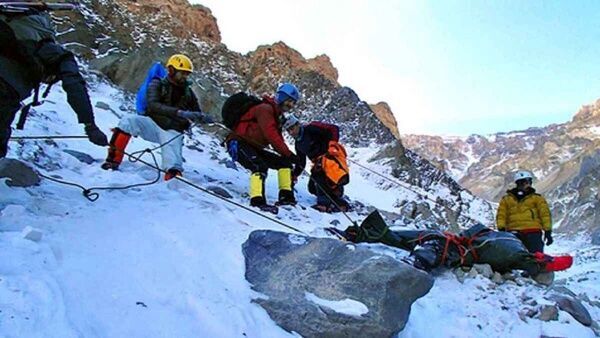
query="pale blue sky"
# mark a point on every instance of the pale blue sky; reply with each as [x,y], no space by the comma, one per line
[445,67]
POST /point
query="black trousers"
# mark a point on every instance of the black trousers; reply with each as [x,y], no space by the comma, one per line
[320,186]
[259,160]
[533,241]
[9,105]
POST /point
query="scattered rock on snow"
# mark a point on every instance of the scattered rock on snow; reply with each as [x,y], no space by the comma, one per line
[508,276]
[497,278]
[484,269]
[219,191]
[19,174]
[527,313]
[325,268]
[460,274]
[596,328]
[544,278]
[574,307]
[562,290]
[32,234]
[82,157]
[548,313]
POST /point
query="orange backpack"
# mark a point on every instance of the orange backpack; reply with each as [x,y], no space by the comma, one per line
[334,164]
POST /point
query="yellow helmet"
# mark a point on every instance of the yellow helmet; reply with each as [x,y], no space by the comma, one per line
[181,62]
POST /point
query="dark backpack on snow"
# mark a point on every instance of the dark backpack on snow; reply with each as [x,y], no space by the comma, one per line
[236,106]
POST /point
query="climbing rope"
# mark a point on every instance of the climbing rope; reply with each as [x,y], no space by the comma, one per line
[19,138]
[408,187]
[134,157]
[319,186]
[93,196]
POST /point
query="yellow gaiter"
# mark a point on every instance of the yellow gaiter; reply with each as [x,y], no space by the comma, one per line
[284,177]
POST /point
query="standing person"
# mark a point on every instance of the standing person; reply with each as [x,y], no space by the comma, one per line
[319,142]
[171,105]
[29,56]
[525,213]
[258,128]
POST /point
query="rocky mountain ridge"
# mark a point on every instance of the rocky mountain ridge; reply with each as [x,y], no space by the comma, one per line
[563,158]
[121,38]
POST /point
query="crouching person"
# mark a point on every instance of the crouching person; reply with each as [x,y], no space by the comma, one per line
[171,107]
[319,142]
[258,128]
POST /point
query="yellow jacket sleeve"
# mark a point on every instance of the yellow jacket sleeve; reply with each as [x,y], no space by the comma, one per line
[501,214]
[545,215]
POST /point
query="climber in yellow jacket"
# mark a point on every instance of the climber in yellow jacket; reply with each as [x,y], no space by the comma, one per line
[525,213]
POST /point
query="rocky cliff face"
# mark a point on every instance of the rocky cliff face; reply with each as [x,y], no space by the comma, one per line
[122,38]
[384,113]
[562,157]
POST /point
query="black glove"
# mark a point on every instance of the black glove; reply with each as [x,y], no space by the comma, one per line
[95,135]
[548,237]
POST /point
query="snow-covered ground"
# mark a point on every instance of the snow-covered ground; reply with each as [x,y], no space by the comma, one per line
[165,260]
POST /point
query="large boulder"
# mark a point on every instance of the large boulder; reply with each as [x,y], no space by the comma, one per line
[320,287]
[19,174]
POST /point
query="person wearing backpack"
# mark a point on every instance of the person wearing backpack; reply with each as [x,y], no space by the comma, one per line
[171,107]
[258,127]
[29,56]
[319,142]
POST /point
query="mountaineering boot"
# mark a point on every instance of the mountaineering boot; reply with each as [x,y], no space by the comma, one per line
[257,193]
[117,145]
[172,173]
[286,194]
[269,208]
[286,197]
[321,208]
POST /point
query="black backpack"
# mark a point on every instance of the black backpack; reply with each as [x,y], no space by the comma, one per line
[236,106]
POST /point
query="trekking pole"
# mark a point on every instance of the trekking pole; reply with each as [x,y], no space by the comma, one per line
[319,186]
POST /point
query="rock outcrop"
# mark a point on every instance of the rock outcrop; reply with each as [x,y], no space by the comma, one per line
[183,20]
[384,113]
[18,174]
[563,157]
[326,288]
[122,38]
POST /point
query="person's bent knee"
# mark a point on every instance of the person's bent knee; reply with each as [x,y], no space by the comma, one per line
[130,124]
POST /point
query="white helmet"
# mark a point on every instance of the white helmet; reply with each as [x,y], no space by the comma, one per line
[290,121]
[523,174]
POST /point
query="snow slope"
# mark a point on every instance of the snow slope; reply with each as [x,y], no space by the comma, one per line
[166,261]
